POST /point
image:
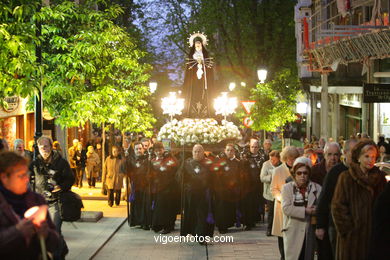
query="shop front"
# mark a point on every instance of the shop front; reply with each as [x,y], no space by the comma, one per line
[350,114]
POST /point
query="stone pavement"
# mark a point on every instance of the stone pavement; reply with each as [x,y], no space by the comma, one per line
[111,238]
[85,238]
[134,243]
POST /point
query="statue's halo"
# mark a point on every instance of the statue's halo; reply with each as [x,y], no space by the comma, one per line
[195,35]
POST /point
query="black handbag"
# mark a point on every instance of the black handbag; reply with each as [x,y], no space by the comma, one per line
[70,206]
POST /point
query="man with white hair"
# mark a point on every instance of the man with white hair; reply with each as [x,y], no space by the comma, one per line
[331,158]
[319,171]
[19,149]
[325,229]
[195,177]
[253,202]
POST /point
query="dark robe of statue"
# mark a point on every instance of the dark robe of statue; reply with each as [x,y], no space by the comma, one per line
[198,84]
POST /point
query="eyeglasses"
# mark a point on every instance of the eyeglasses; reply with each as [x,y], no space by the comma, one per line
[299,173]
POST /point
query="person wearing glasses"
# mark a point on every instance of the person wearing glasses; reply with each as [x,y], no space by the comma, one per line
[299,199]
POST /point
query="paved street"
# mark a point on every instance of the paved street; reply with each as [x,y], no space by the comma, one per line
[134,243]
[112,238]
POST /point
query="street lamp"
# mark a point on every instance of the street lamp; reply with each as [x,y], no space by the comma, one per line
[152,87]
[225,105]
[262,75]
[232,86]
[302,108]
[172,105]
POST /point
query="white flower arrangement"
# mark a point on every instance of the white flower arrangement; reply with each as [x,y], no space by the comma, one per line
[203,131]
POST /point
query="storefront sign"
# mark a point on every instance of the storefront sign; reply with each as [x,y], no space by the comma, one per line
[351,100]
[376,93]
[12,104]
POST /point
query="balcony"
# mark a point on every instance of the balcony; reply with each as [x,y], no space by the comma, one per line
[338,32]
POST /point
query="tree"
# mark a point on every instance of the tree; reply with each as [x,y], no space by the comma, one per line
[18,68]
[243,34]
[275,101]
[92,69]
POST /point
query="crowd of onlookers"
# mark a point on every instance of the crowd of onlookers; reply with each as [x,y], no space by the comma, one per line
[328,198]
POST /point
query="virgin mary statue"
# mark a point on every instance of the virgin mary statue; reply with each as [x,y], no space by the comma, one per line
[198,80]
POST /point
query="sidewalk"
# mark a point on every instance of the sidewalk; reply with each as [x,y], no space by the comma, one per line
[85,238]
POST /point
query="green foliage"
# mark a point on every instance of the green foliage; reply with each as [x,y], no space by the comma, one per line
[275,101]
[18,73]
[243,35]
[91,68]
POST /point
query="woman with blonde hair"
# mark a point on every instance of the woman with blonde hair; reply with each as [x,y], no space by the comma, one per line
[352,204]
[281,173]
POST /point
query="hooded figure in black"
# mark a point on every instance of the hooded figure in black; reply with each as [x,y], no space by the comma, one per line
[226,185]
[137,168]
[252,204]
[196,177]
[198,80]
[164,190]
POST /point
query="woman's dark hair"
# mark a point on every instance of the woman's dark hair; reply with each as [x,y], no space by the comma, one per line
[299,165]
[1,144]
[10,159]
[357,149]
[192,50]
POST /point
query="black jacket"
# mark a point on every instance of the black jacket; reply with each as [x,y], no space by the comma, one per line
[324,218]
[380,237]
[48,175]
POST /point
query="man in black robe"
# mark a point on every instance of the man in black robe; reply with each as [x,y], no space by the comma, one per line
[164,190]
[227,193]
[196,184]
[252,204]
[137,167]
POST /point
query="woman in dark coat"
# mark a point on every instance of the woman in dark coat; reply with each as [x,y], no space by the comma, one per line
[353,200]
[18,235]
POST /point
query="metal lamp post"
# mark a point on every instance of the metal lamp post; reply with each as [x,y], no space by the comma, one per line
[262,75]
[152,87]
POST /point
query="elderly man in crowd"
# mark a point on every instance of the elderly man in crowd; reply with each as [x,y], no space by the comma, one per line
[196,183]
[19,149]
[325,226]
[52,175]
[252,203]
[332,155]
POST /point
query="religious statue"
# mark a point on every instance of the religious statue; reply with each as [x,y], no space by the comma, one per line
[198,80]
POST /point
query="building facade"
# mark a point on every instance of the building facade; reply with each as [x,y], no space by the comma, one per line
[343,45]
